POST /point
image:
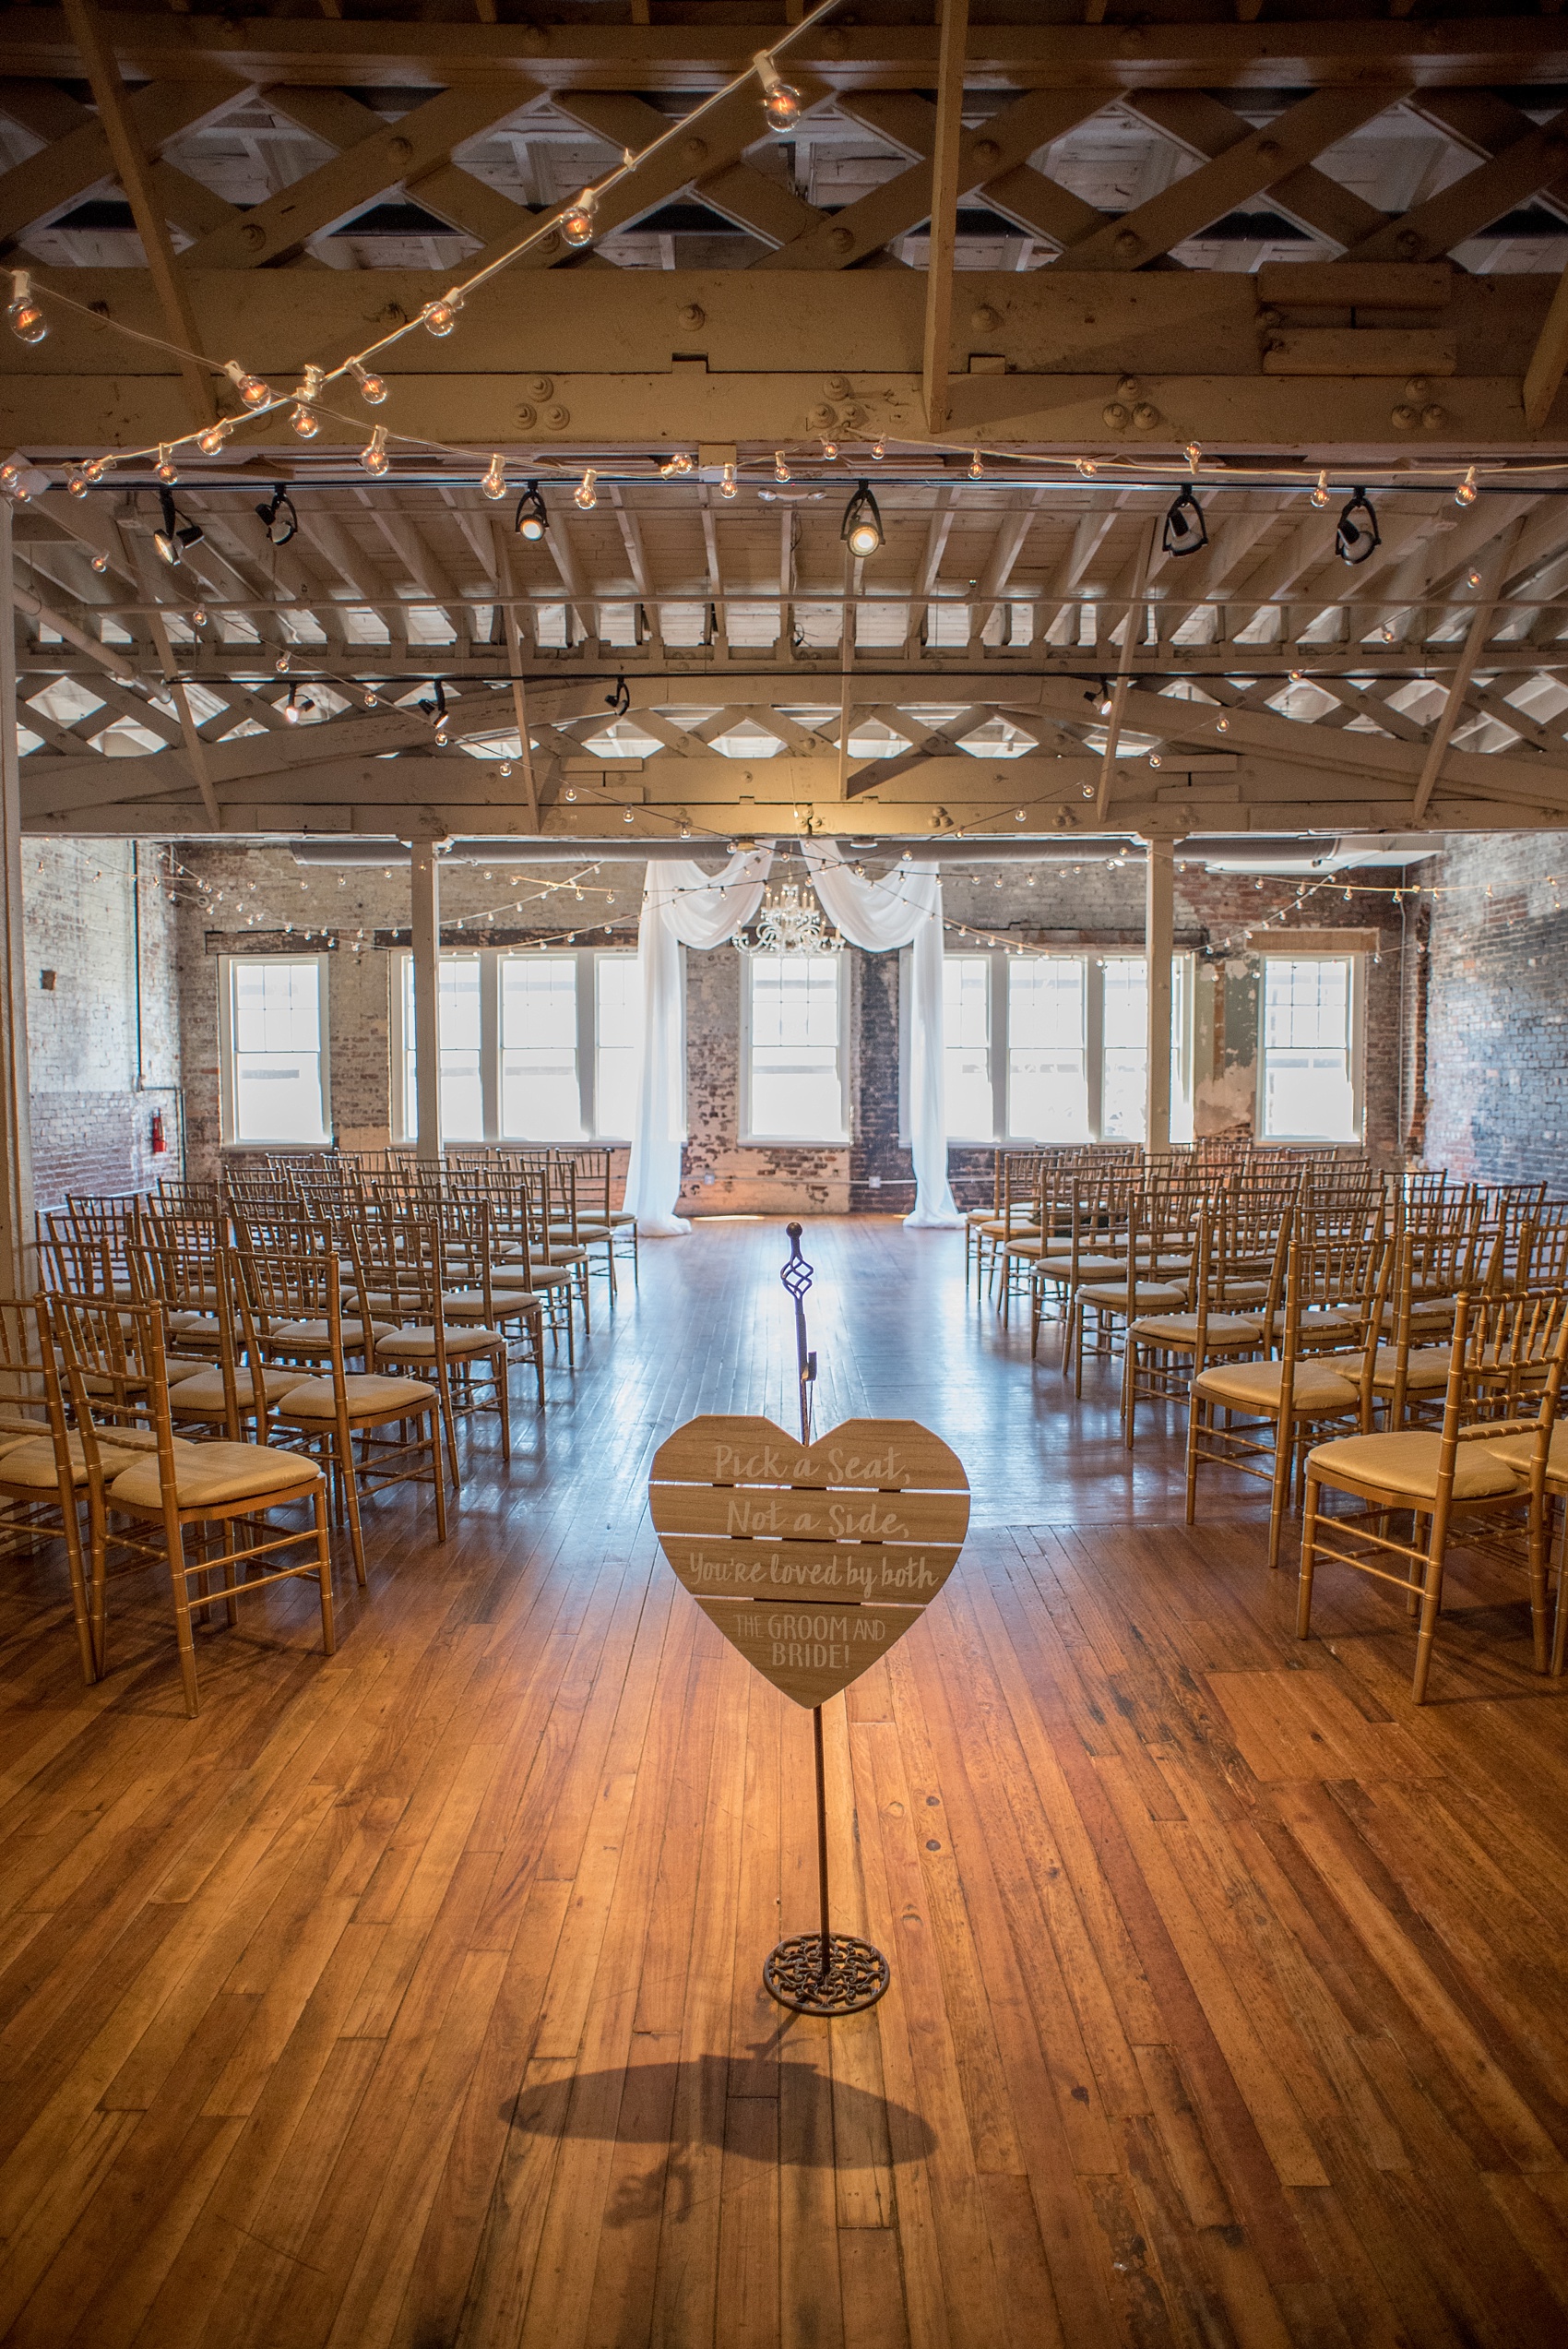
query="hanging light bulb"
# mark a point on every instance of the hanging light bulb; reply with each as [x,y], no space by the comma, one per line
[372,391]
[780,103]
[28,322]
[439,317]
[1320,494]
[727,485]
[372,700]
[1194,454]
[1467,493]
[198,616]
[576,220]
[531,520]
[1088,467]
[505,768]
[212,439]
[11,480]
[878,450]
[95,467]
[861,528]
[281,665]
[302,416]
[373,455]
[830,449]
[166,468]
[78,485]
[493,486]
[780,471]
[681,462]
[101,564]
[584,495]
[977,471]
[251,390]
[1472,578]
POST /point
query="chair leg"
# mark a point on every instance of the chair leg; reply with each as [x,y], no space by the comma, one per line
[431,1417]
[324,1571]
[1279,1488]
[1194,1422]
[182,1621]
[1539,1528]
[349,1486]
[1309,1556]
[1560,1626]
[1432,1602]
[503,1396]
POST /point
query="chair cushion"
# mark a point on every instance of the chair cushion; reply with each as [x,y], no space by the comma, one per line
[1156,1295]
[1406,1462]
[369,1395]
[212,1475]
[419,1345]
[180,1366]
[1426,1369]
[1320,1321]
[1179,1330]
[1516,1450]
[204,1394]
[32,1463]
[595,1233]
[195,1325]
[316,1334]
[1254,1386]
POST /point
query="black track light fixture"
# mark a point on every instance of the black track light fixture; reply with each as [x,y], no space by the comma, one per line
[620,701]
[277,516]
[175,536]
[531,520]
[1185,529]
[1358,533]
[294,708]
[862,531]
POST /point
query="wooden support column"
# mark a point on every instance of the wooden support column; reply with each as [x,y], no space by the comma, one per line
[945,209]
[424,875]
[18,1269]
[1160,916]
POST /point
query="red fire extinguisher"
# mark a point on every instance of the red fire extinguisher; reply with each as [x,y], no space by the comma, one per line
[159,1146]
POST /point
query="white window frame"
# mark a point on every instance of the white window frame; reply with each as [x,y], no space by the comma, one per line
[1314,950]
[489,959]
[997,959]
[227,1092]
[747,1136]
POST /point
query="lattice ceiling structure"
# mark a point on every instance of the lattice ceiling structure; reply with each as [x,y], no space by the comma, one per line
[1112,253]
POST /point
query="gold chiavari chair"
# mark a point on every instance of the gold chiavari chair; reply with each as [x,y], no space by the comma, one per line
[1483,1464]
[399,1259]
[1164,1352]
[219,1494]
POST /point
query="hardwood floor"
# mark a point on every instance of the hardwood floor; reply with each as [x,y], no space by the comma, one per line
[413,1995]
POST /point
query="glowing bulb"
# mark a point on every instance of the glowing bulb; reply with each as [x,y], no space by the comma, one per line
[166,468]
[281,663]
[494,482]
[576,221]
[95,468]
[372,391]
[830,449]
[373,455]
[681,462]
[78,485]
[441,738]
[584,495]
[727,486]
[101,564]
[211,441]
[780,471]
[1320,494]
[306,423]
[977,471]
[1472,578]
[440,317]
[198,617]
[251,390]
[1088,467]
[1222,725]
[569,795]
[1467,493]
[505,768]
[372,700]
[27,321]
[780,102]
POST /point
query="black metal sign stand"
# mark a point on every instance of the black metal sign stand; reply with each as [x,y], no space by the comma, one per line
[822,1972]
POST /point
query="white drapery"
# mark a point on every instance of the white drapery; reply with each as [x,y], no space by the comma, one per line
[682,906]
[903,909]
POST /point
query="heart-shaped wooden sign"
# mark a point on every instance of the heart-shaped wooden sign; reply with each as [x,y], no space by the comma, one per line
[812,1559]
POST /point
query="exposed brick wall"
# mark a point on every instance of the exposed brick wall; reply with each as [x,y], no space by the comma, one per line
[92,1106]
[1493,1105]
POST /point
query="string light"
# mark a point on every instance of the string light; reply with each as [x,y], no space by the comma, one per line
[878,451]
[1467,493]
[830,449]
[576,220]
[27,321]
[586,494]
[727,485]
[1088,467]
[439,317]
[977,471]
[101,564]
[251,390]
[166,468]
[373,455]
[78,485]
[1320,494]
[780,102]
[372,391]
[212,439]
[494,482]
[780,471]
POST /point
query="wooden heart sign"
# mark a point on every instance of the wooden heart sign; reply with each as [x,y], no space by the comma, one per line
[812,1559]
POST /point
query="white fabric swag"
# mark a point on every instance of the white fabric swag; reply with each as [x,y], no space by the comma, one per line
[684,906]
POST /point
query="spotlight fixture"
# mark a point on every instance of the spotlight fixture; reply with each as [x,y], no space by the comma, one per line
[584,495]
[27,321]
[372,391]
[175,536]
[531,520]
[576,220]
[1357,533]
[1467,493]
[862,531]
[294,708]
[251,390]
[780,102]
[493,486]
[1185,529]
[1320,494]
[620,701]
[277,516]
[439,317]
[373,455]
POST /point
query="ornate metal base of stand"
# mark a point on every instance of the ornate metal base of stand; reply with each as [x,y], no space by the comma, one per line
[856,1977]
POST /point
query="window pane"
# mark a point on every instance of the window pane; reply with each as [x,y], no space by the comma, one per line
[1308,1088]
[1047,1087]
[965,993]
[274,1021]
[1124,1088]
[541,1100]
[411,1087]
[618,1018]
[796,1089]
[462,1098]
[1181,1067]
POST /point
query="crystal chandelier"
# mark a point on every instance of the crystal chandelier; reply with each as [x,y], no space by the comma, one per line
[785,925]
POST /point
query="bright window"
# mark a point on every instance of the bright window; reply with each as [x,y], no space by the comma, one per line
[794,1060]
[534,1047]
[272,1048]
[1309,1079]
[1053,1048]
